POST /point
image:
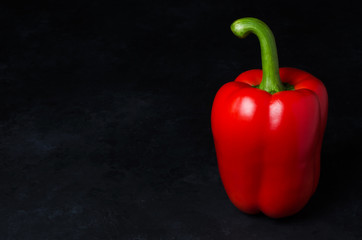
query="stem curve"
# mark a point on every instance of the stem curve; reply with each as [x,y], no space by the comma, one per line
[269,57]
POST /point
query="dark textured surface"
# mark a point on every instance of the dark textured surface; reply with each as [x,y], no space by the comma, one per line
[105,118]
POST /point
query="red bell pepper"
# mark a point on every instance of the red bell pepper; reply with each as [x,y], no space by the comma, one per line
[268,127]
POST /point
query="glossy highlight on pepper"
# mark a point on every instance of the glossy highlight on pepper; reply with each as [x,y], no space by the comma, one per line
[268,128]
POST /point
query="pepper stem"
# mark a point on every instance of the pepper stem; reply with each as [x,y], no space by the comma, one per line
[269,56]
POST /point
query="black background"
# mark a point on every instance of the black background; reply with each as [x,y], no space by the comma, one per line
[105,117]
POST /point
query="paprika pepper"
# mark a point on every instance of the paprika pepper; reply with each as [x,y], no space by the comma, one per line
[268,127]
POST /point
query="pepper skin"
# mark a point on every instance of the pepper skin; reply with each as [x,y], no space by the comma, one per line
[268,141]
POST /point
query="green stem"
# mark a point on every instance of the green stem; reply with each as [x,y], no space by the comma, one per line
[269,56]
